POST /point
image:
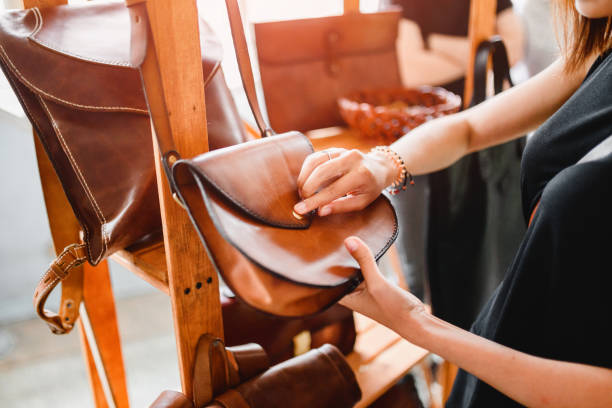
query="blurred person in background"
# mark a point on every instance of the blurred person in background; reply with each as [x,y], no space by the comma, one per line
[453,235]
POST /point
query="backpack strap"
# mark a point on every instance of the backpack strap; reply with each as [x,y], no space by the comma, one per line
[66,268]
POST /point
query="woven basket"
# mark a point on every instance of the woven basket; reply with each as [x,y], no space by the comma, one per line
[391,113]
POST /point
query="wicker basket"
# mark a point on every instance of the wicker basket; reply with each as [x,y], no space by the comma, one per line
[391,113]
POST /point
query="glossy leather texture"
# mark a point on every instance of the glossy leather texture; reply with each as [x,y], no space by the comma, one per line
[70,68]
[307,64]
[319,378]
[241,198]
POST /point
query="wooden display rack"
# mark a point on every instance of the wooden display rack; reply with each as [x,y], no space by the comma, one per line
[380,356]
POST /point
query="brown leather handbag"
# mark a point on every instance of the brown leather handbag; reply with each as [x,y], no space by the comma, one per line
[241,200]
[307,64]
[320,378]
[70,68]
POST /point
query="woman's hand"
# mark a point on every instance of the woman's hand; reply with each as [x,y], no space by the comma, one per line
[339,180]
[379,299]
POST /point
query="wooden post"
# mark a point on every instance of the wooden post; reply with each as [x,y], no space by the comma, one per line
[172,75]
[481,27]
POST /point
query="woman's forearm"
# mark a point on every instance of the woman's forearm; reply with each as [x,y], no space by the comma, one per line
[530,380]
[439,143]
[434,145]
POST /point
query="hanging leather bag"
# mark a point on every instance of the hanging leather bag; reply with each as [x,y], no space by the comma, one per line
[69,67]
[241,200]
[307,64]
[88,108]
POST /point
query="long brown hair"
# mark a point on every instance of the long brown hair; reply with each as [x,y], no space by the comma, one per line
[581,37]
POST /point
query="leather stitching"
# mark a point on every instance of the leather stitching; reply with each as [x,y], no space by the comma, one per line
[39,20]
[248,210]
[33,119]
[80,176]
[38,27]
[63,101]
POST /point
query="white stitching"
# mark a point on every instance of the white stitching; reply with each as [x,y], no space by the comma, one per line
[38,27]
[63,101]
[32,117]
[39,20]
[54,282]
[77,56]
[79,173]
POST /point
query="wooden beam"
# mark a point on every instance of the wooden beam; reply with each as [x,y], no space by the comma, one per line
[481,27]
[172,74]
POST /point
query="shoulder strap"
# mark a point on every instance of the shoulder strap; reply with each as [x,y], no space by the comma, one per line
[244,65]
[65,267]
[603,149]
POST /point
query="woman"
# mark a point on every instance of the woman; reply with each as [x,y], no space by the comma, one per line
[543,339]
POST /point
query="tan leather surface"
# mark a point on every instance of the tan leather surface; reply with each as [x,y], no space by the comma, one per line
[210,369]
[265,190]
[172,399]
[279,270]
[307,64]
[246,360]
[89,110]
[68,262]
[320,378]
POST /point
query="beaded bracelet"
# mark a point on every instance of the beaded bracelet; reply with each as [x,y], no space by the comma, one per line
[403,175]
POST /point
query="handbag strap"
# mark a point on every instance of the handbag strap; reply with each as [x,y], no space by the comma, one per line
[63,268]
[604,148]
[492,48]
[244,65]
[351,6]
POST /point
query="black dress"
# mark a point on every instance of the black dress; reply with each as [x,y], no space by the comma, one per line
[461,226]
[555,301]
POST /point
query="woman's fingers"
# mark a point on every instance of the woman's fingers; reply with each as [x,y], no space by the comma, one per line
[314,160]
[326,173]
[337,189]
[362,254]
[345,204]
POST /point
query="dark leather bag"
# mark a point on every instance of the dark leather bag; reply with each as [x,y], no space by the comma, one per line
[320,378]
[307,64]
[284,338]
[241,200]
[69,66]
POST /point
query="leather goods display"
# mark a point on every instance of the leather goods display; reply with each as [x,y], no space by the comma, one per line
[69,66]
[307,64]
[320,378]
[243,324]
[241,199]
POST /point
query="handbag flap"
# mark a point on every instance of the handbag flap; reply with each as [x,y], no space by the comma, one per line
[79,55]
[295,41]
[259,177]
[248,192]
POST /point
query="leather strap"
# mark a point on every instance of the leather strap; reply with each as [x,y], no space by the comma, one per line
[351,6]
[244,65]
[61,269]
[604,148]
[232,399]
[493,48]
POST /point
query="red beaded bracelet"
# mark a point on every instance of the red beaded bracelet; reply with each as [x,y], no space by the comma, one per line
[403,175]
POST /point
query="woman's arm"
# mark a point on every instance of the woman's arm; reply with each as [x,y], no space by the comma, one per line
[439,143]
[529,380]
[456,48]
[355,179]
